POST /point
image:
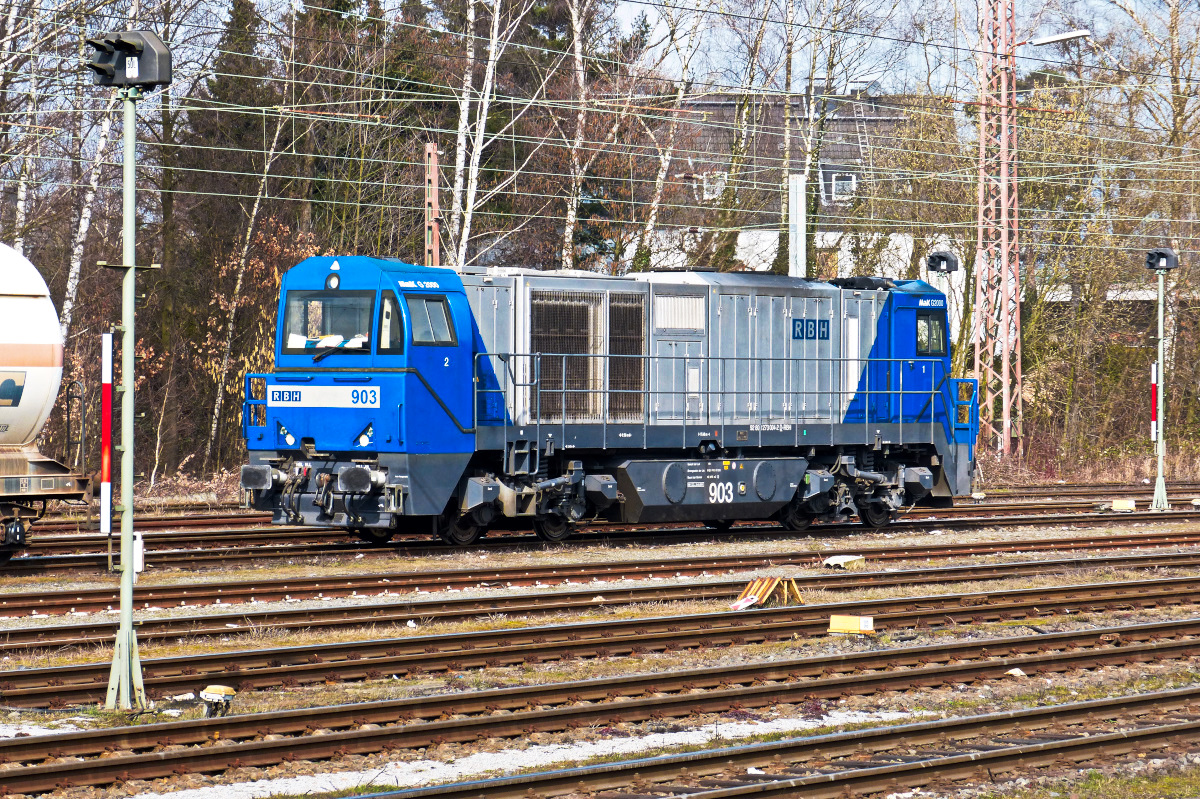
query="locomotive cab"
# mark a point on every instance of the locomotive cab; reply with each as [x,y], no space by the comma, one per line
[364,420]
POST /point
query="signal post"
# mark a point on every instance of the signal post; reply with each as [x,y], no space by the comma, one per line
[130,61]
[1161,261]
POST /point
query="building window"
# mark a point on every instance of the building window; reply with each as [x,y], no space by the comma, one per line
[712,184]
[842,186]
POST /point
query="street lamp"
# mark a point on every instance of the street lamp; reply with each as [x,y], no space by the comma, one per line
[1161,260]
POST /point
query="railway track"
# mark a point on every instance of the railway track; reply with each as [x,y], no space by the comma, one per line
[209,530]
[225,556]
[877,760]
[151,751]
[79,600]
[444,609]
[411,655]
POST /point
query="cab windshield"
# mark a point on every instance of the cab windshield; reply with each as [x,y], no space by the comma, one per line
[319,320]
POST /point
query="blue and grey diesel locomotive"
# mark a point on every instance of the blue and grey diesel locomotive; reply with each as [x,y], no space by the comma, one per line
[411,398]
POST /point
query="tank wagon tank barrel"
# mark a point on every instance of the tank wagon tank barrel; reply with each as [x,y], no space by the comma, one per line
[407,397]
[31,358]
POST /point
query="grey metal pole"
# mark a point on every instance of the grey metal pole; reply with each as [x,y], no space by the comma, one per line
[1160,483]
[125,688]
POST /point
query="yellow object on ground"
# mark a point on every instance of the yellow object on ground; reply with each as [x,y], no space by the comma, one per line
[762,590]
[1124,505]
[852,625]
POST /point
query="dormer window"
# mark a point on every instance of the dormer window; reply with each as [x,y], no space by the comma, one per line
[843,186]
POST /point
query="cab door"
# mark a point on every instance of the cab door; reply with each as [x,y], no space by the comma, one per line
[439,389]
[920,346]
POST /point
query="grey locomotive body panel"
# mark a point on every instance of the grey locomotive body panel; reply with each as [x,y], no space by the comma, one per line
[664,349]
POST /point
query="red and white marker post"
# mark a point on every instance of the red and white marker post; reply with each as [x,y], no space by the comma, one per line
[106,376]
[1154,402]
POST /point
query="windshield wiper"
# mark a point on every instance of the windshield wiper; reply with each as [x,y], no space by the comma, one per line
[330,350]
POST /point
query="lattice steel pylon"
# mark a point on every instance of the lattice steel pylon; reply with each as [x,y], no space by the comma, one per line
[996,331]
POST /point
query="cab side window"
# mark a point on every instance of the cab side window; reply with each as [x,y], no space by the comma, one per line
[391,326]
[431,321]
[931,333]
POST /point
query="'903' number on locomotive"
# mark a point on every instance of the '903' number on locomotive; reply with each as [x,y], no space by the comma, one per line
[720,493]
[364,396]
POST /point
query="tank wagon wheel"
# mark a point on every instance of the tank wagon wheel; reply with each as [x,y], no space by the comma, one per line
[720,525]
[874,515]
[458,530]
[554,529]
[374,536]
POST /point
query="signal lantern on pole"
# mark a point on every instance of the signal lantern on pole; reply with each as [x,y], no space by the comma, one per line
[129,58]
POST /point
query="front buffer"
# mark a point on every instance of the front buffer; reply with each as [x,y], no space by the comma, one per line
[319,456]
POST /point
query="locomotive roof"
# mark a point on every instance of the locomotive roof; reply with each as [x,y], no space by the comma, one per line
[757,280]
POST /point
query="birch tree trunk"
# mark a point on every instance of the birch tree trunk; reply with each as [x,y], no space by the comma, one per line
[782,253]
[483,106]
[85,221]
[685,48]
[227,348]
[461,134]
[578,12]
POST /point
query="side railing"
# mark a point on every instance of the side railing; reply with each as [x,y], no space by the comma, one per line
[542,389]
[964,429]
[254,406]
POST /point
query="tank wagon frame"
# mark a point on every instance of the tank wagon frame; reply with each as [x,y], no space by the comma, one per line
[31,354]
[557,397]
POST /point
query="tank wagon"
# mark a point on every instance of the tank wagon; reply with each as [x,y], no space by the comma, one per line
[409,398]
[31,356]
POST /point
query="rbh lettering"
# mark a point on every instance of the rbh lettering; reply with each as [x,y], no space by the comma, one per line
[810,329]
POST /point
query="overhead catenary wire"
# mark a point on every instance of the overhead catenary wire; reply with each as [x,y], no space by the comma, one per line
[715,157]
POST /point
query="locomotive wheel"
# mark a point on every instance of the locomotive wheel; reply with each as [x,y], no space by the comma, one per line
[553,529]
[374,536]
[719,524]
[794,519]
[6,555]
[874,515]
[459,531]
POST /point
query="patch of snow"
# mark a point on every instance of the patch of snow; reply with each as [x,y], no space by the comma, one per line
[13,730]
[425,772]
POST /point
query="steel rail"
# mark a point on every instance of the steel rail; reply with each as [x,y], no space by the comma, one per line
[166,532]
[226,556]
[561,706]
[91,599]
[372,659]
[15,639]
[915,773]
